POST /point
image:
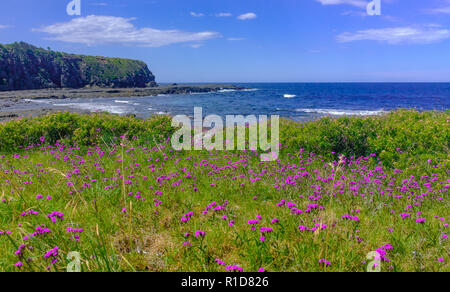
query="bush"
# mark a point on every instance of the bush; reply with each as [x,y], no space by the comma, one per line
[79,129]
[392,136]
[399,135]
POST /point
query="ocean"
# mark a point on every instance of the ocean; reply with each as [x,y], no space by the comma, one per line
[297,101]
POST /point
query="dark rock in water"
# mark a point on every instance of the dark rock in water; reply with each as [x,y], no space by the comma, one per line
[24,67]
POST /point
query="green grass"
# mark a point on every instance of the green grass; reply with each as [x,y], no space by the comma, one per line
[90,184]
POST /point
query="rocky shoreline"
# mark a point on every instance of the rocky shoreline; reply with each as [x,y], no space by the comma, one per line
[16,114]
[113,92]
[13,104]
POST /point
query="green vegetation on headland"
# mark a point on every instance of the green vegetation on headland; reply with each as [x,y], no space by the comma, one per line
[346,194]
[24,67]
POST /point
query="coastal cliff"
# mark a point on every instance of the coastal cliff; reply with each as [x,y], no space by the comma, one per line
[25,67]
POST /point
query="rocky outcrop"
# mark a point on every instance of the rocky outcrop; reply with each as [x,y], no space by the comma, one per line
[63,93]
[24,67]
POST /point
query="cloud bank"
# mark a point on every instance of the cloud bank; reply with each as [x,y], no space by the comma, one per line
[440,10]
[398,35]
[96,30]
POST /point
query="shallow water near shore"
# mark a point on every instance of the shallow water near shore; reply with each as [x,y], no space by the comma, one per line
[297,101]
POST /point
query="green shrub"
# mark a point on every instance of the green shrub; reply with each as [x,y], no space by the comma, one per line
[418,134]
[404,135]
[79,129]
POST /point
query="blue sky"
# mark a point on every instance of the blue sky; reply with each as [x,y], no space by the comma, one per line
[247,40]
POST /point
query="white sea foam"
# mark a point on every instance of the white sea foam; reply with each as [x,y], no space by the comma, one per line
[93,107]
[289,95]
[126,102]
[227,90]
[234,90]
[341,112]
[38,100]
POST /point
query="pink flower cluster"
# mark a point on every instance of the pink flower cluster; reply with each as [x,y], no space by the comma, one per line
[54,216]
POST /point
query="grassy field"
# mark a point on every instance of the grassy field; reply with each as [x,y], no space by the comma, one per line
[100,186]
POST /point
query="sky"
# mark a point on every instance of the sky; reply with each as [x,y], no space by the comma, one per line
[247,40]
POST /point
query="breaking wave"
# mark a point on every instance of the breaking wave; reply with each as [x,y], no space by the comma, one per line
[342,112]
[93,107]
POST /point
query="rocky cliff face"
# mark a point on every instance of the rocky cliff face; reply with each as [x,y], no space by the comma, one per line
[23,66]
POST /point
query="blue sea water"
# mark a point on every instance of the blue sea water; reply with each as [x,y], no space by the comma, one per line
[297,101]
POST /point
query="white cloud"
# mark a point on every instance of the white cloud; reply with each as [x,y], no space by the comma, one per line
[94,30]
[3,26]
[247,16]
[398,35]
[235,39]
[194,14]
[224,14]
[357,3]
[441,10]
